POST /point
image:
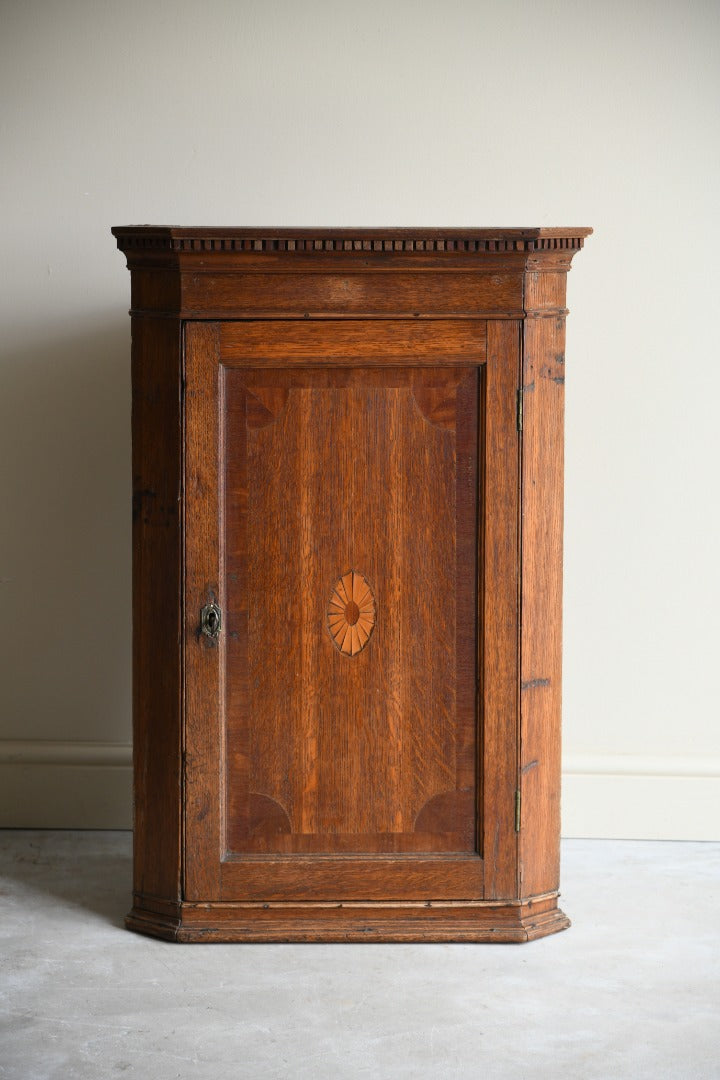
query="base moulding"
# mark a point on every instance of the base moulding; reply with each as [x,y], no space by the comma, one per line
[457,921]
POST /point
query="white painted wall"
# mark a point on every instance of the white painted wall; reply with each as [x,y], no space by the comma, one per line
[433,112]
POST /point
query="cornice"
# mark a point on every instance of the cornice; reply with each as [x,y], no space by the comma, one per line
[152,240]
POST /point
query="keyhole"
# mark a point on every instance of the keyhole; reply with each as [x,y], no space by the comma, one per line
[210,620]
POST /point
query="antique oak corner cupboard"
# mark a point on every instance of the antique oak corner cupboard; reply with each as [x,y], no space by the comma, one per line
[347,508]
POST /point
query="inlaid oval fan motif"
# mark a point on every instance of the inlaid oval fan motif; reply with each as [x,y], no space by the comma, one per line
[351,613]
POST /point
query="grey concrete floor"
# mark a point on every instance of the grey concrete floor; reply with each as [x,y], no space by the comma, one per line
[631,990]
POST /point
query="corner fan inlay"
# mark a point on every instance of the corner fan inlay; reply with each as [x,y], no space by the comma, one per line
[351,613]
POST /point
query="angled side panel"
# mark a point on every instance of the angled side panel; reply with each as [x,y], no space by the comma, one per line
[542,529]
[157,574]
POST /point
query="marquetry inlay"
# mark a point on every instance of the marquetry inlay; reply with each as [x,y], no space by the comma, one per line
[351,613]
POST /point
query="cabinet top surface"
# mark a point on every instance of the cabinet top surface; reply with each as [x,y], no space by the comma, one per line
[273,239]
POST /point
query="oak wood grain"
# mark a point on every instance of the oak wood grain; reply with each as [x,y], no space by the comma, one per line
[468,921]
[204,657]
[407,342]
[215,272]
[324,240]
[351,482]
[157,577]
[542,546]
[450,826]
[500,614]
[326,444]
[350,293]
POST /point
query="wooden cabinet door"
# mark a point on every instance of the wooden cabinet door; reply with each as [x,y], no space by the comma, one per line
[338,741]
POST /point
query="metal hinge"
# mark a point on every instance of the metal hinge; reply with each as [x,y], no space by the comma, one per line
[518,800]
[519,410]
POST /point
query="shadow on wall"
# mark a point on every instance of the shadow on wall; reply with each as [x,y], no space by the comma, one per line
[65,536]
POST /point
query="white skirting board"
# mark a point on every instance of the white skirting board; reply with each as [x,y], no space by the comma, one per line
[65,785]
[83,785]
[633,797]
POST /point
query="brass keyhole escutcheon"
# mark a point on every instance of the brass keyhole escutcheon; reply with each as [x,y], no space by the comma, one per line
[211,620]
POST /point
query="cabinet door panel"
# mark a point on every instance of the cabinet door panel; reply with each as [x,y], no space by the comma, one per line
[335,726]
[350,504]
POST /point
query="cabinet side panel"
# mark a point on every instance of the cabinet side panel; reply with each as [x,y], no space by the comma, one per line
[156,457]
[500,615]
[542,526]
